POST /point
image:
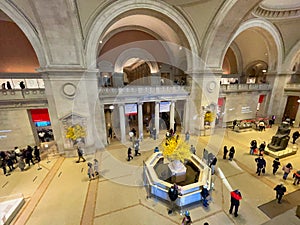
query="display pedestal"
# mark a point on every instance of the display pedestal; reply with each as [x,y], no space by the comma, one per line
[178,171]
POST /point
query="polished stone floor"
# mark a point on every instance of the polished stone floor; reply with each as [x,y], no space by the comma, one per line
[61,193]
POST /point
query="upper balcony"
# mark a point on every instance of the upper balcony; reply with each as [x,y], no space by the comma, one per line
[227,88]
[292,87]
[22,98]
[143,93]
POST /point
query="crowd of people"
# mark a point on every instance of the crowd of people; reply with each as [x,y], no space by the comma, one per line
[10,160]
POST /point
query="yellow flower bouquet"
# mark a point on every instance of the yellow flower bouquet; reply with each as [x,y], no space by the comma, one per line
[75,132]
[176,149]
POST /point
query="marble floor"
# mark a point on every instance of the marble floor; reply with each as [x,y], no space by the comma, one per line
[61,193]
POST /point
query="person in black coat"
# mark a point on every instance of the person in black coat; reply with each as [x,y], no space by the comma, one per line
[129,154]
[173,194]
[236,196]
[275,165]
[296,135]
[80,154]
[253,146]
[225,151]
[231,153]
[262,147]
[36,153]
[280,190]
[261,164]
[8,85]
[22,85]
[204,195]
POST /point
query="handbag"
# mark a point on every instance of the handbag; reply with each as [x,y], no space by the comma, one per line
[263,170]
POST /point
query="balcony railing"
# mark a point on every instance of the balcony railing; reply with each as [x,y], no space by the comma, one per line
[150,92]
[244,87]
[292,87]
[25,94]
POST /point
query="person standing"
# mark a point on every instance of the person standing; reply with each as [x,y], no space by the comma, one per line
[280,190]
[36,152]
[262,148]
[204,195]
[296,177]
[261,165]
[129,154]
[3,86]
[8,85]
[212,165]
[173,194]
[253,146]
[236,196]
[193,149]
[136,148]
[80,154]
[295,136]
[187,220]
[156,149]
[187,136]
[286,170]
[110,132]
[275,165]
[231,153]
[225,151]
[22,85]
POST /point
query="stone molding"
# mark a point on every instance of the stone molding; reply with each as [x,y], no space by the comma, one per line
[276,14]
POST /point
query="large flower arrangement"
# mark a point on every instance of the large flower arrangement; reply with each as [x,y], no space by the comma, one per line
[176,149]
[209,117]
[75,132]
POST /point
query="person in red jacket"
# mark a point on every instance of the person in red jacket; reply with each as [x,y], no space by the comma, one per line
[236,196]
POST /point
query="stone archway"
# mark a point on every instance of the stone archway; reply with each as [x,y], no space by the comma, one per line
[114,10]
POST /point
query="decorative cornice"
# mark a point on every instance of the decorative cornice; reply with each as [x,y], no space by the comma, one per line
[276,14]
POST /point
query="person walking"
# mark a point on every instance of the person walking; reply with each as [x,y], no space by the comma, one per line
[136,148]
[236,196]
[193,149]
[110,133]
[296,177]
[187,136]
[90,171]
[96,167]
[80,154]
[225,151]
[129,154]
[262,148]
[295,136]
[173,194]
[261,165]
[253,146]
[286,170]
[280,190]
[8,85]
[231,153]
[275,165]
[187,220]
[36,152]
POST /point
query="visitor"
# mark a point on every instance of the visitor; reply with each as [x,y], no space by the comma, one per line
[287,169]
[80,154]
[156,149]
[22,85]
[235,202]
[3,86]
[36,153]
[193,149]
[231,153]
[296,135]
[296,177]
[96,167]
[187,136]
[261,165]
[212,165]
[275,165]
[129,154]
[90,171]
[280,190]
[204,195]
[261,125]
[136,148]
[253,147]
[8,85]
[187,219]
[173,194]
[110,132]
[225,151]
[21,164]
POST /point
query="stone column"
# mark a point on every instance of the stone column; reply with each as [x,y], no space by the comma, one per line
[122,122]
[278,100]
[186,116]
[156,121]
[172,113]
[297,119]
[140,118]
[204,94]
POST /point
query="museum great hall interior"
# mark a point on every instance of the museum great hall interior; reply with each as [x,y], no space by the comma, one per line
[72,69]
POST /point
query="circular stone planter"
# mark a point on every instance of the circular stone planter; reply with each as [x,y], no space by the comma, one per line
[191,193]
